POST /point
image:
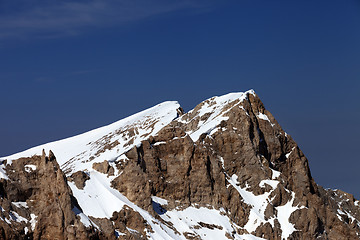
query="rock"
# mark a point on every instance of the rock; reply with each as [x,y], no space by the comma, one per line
[49,202]
[104,167]
[79,178]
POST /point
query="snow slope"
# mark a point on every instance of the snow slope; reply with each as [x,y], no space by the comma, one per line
[105,143]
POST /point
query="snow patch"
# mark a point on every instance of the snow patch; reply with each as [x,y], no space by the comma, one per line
[247,114]
[30,167]
[159,200]
[118,233]
[158,143]
[347,214]
[265,117]
[33,221]
[20,204]
[16,217]
[84,219]
[283,215]
[132,230]
[275,174]
[2,171]
[288,154]
[222,162]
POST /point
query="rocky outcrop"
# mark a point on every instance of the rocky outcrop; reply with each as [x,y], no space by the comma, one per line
[228,159]
[37,202]
[104,167]
[79,178]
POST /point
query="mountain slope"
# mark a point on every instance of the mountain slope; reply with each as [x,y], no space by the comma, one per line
[225,169]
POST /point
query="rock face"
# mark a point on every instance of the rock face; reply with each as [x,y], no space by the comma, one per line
[224,170]
[37,203]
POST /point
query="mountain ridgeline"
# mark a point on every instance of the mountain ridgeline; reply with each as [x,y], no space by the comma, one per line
[224,170]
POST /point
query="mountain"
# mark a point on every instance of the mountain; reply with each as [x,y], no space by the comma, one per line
[224,170]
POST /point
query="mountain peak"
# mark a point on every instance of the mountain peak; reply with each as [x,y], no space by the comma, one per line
[225,169]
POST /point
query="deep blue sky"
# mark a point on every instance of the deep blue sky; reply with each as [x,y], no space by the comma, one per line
[70,66]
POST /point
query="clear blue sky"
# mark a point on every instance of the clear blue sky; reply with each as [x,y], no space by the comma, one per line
[70,66]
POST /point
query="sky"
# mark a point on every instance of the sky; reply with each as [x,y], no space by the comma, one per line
[67,67]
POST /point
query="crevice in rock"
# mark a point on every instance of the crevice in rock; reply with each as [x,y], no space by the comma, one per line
[263,147]
[2,190]
[140,160]
[190,159]
[208,171]
[251,132]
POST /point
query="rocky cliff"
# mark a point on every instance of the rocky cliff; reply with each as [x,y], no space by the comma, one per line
[224,170]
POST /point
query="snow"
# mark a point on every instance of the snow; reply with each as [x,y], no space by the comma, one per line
[26,230]
[265,117]
[250,237]
[118,233]
[346,213]
[2,171]
[357,203]
[16,217]
[288,154]
[217,107]
[98,199]
[33,221]
[159,200]
[258,203]
[283,216]
[247,114]
[158,143]
[222,162]
[20,204]
[275,174]
[74,153]
[132,230]
[84,219]
[204,222]
[29,168]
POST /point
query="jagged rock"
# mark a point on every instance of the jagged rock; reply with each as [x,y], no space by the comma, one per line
[46,209]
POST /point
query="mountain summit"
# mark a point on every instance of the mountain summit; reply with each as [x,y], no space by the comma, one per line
[224,170]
